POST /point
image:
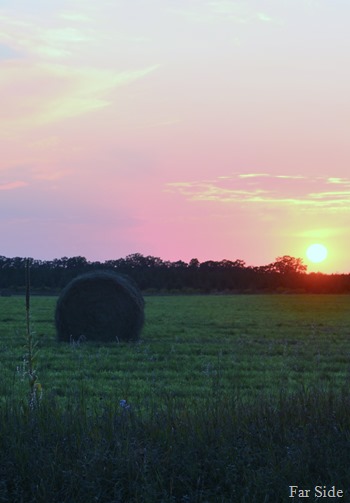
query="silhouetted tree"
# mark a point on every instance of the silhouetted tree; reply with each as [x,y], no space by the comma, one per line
[289,265]
[152,273]
[194,263]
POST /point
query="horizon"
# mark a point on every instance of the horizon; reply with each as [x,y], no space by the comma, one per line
[186,262]
[202,130]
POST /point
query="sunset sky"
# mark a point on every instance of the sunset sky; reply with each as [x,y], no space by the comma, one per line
[175,128]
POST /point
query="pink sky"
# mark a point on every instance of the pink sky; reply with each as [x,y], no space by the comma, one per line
[208,129]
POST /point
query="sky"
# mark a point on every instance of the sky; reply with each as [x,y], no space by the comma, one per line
[175,128]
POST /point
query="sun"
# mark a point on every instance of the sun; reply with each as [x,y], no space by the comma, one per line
[316,253]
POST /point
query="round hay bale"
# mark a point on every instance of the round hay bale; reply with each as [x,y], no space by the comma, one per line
[100,306]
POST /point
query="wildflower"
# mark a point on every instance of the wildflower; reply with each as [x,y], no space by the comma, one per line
[124,404]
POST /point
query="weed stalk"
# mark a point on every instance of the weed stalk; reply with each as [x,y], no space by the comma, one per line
[34,386]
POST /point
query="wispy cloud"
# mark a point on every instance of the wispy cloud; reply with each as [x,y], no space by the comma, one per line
[49,81]
[339,181]
[269,190]
[48,93]
[87,92]
[259,175]
[235,12]
[34,38]
[322,232]
[50,176]
[12,185]
[252,175]
[16,176]
[264,17]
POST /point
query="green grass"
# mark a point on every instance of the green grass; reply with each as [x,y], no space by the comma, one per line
[238,344]
[233,398]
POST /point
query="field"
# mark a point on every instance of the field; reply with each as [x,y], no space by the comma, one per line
[225,398]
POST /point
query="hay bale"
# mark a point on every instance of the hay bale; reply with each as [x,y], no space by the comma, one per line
[100,306]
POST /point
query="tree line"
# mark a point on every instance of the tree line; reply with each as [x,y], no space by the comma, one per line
[154,275]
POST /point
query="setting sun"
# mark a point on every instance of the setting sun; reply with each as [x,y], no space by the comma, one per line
[316,253]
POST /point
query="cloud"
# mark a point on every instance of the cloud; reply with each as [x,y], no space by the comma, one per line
[264,17]
[12,185]
[60,41]
[47,93]
[49,82]
[88,90]
[236,12]
[252,175]
[32,37]
[239,12]
[64,36]
[258,175]
[50,176]
[322,233]
[268,190]
[339,181]
[37,177]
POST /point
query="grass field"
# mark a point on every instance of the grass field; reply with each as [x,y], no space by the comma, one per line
[189,346]
[232,398]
